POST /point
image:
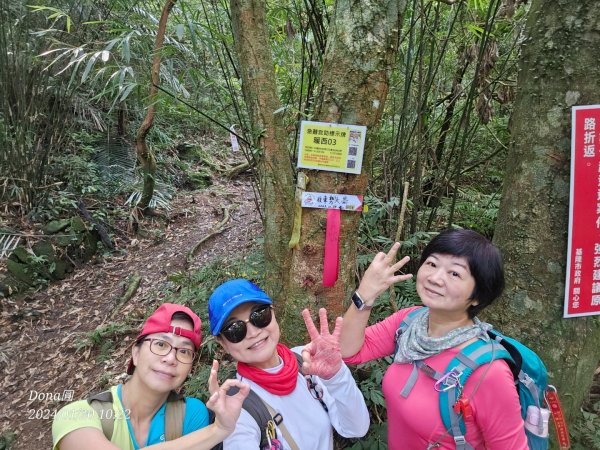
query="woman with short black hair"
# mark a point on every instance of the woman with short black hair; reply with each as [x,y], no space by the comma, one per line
[460,273]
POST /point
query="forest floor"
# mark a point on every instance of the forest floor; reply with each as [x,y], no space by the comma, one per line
[42,363]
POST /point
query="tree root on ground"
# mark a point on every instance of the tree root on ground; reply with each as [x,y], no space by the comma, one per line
[218,229]
[132,287]
[240,168]
[104,237]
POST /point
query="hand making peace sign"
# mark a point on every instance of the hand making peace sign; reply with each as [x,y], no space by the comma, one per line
[322,356]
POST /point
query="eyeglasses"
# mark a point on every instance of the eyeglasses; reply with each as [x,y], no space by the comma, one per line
[163,348]
[316,391]
[236,330]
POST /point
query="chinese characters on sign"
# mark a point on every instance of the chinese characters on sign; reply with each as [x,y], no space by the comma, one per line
[332,201]
[332,147]
[582,290]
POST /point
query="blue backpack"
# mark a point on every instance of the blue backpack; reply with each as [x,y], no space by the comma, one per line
[529,372]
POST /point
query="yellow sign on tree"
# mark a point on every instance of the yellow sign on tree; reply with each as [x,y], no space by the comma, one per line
[332,147]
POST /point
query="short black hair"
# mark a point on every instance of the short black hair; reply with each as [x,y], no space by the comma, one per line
[483,257]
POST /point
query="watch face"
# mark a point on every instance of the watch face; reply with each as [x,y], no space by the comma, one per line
[357,301]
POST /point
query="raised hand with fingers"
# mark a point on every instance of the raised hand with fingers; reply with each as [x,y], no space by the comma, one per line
[322,356]
[381,274]
[226,407]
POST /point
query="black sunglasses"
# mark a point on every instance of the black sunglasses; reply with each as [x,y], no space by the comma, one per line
[236,330]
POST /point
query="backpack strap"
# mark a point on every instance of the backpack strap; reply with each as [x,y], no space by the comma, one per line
[102,402]
[456,375]
[262,413]
[412,379]
[174,415]
[286,434]
[255,406]
[410,317]
[257,409]
[522,379]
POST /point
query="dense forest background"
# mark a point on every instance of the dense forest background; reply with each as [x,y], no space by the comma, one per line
[116,117]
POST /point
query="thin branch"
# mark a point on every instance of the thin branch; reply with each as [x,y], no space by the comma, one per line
[393,303]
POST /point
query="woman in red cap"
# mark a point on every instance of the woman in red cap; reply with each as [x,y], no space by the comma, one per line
[146,411]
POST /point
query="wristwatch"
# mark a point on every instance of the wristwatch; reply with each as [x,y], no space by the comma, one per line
[359,303]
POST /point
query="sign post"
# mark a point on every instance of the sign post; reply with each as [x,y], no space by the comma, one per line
[582,288]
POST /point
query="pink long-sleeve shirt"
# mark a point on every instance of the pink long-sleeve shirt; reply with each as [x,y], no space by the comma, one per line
[414,422]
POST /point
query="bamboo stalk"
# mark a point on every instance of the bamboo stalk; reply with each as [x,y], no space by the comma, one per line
[393,303]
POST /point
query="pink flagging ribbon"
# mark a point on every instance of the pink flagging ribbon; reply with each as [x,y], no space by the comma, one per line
[332,248]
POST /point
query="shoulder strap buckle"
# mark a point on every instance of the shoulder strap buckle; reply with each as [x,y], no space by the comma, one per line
[277,419]
[448,381]
[460,440]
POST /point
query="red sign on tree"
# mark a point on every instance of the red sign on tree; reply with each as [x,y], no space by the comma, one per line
[582,290]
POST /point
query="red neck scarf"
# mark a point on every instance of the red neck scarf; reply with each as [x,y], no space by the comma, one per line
[280,383]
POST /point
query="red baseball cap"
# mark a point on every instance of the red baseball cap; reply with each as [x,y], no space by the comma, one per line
[160,322]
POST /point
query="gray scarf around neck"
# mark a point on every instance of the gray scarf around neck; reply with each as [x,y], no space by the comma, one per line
[415,344]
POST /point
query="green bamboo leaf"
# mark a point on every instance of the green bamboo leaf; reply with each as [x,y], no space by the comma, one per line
[127,91]
[99,74]
[180,31]
[192,30]
[89,67]
[110,44]
[125,50]
[475,29]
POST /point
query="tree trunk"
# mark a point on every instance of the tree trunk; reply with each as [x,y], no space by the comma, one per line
[362,41]
[558,69]
[361,46]
[145,157]
[276,180]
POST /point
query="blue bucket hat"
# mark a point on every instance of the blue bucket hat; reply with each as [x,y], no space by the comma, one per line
[229,296]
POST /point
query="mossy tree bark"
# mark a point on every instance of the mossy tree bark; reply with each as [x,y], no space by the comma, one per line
[558,69]
[361,45]
[274,164]
[145,156]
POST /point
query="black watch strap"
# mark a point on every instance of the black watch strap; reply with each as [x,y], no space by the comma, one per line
[359,303]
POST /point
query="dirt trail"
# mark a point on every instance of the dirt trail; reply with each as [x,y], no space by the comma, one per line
[38,335]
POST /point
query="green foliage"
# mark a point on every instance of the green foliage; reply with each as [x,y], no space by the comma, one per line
[105,337]
[375,224]
[376,439]
[200,179]
[7,439]
[474,209]
[34,111]
[161,198]
[585,433]
[55,14]
[196,386]
[194,287]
